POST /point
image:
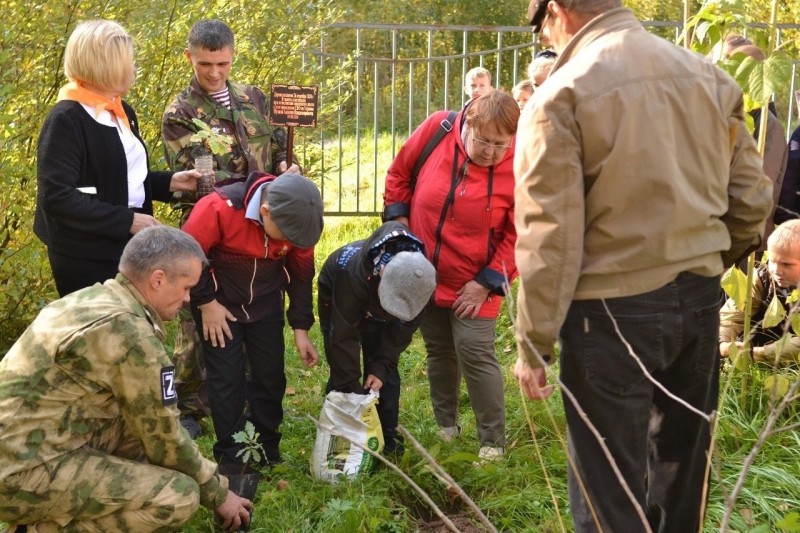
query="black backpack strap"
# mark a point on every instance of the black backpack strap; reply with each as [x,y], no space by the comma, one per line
[445,127]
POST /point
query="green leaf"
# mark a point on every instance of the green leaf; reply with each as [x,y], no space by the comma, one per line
[777,72]
[734,282]
[774,315]
[461,457]
[796,323]
[793,296]
[790,522]
[702,30]
[777,386]
[252,448]
[739,358]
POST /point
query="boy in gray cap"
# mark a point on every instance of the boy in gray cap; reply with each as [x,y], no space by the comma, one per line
[371,297]
[259,236]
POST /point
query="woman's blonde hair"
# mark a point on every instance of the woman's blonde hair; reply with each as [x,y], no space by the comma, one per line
[497,108]
[100,53]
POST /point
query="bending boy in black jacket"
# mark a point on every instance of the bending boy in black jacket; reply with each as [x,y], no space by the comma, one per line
[371,297]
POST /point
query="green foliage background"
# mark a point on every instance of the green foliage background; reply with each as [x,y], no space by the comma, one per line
[270,36]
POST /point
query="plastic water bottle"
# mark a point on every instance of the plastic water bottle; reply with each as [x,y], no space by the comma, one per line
[205,165]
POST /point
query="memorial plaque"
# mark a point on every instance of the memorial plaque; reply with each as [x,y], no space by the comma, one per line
[293,105]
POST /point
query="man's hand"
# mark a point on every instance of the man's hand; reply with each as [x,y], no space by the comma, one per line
[284,168]
[470,299]
[141,221]
[185,180]
[235,512]
[305,348]
[532,380]
[215,323]
[373,383]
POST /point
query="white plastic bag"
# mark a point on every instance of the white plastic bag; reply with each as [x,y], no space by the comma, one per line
[352,415]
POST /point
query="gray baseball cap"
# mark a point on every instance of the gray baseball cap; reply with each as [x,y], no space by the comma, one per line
[295,205]
[406,285]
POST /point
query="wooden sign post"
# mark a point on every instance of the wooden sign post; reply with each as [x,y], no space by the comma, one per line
[293,106]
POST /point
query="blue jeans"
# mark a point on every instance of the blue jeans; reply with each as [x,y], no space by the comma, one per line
[659,446]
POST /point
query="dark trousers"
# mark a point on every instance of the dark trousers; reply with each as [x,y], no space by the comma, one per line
[371,332]
[74,273]
[659,446]
[259,345]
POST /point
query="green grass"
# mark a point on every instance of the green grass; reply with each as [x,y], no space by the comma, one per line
[513,493]
[347,187]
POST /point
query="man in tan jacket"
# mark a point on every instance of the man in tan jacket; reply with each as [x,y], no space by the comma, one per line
[637,184]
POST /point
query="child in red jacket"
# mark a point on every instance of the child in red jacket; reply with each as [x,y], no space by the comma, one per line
[259,236]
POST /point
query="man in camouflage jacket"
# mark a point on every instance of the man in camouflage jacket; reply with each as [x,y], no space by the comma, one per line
[89,430]
[240,114]
[255,145]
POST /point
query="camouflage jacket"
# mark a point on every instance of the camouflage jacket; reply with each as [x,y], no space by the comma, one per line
[256,145]
[88,371]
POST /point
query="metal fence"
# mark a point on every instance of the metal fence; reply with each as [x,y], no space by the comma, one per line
[400,74]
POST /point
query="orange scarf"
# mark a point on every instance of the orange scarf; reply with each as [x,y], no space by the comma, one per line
[78,93]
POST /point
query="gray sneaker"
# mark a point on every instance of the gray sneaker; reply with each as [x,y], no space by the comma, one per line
[449,433]
[489,454]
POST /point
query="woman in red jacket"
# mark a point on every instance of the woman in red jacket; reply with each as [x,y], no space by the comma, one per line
[462,207]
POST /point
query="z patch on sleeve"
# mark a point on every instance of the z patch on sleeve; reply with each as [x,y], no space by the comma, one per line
[168,394]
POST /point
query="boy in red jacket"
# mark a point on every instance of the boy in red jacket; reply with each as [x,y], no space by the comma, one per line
[259,236]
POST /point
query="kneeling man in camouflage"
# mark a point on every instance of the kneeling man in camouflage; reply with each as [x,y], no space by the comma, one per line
[89,433]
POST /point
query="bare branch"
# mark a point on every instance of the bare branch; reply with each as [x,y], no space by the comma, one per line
[784,428]
[766,431]
[599,438]
[647,374]
[602,443]
[541,463]
[442,474]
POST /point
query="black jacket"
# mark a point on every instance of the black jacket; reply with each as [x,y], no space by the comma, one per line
[348,296]
[76,151]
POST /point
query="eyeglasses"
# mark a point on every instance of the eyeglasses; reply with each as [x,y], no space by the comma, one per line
[490,146]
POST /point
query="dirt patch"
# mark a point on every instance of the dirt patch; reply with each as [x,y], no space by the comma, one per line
[462,521]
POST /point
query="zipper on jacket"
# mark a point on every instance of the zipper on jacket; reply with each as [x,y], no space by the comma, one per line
[461,178]
[489,188]
[253,276]
[252,282]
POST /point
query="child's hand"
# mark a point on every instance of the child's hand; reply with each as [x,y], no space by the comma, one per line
[373,383]
[725,348]
[215,323]
[305,348]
